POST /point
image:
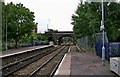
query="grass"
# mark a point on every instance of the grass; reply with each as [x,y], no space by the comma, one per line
[89,49]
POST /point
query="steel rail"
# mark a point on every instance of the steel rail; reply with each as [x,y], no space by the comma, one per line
[11,68]
[56,67]
[45,63]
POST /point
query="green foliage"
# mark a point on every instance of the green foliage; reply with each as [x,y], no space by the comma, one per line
[87,20]
[26,38]
[44,37]
[66,39]
[19,20]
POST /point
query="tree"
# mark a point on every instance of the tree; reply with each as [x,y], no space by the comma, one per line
[20,21]
[87,19]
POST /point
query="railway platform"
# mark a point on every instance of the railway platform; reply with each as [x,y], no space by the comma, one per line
[83,64]
[21,50]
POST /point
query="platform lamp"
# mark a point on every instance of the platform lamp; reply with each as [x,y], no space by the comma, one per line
[102,28]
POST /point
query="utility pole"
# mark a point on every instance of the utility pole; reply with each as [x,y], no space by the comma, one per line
[47,27]
[48,24]
[6,33]
[103,47]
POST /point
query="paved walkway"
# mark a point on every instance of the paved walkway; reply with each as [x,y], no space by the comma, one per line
[83,65]
[21,50]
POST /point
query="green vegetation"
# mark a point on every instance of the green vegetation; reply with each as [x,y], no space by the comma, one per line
[67,39]
[43,38]
[87,20]
[20,23]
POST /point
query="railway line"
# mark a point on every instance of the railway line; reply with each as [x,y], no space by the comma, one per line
[49,67]
[54,61]
[16,65]
[43,63]
[10,58]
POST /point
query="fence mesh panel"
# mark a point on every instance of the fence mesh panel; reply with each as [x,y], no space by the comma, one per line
[86,42]
[112,49]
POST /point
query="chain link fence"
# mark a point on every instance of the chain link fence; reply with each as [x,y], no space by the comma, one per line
[112,49]
[86,43]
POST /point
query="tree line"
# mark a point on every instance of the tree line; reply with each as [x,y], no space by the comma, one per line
[18,22]
[87,20]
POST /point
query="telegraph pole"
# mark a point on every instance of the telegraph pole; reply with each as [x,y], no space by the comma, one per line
[6,33]
[48,24]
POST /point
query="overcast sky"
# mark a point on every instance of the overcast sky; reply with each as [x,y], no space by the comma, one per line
[56,13]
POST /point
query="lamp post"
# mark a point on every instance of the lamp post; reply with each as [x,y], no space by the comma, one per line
[102,25]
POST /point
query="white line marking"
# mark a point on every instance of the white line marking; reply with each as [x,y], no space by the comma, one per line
[56,73]
[69,49]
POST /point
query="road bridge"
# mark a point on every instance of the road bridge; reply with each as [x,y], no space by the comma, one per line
[58,35]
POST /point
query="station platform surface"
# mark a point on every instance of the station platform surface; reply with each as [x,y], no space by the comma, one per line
[83,64]
[21,50]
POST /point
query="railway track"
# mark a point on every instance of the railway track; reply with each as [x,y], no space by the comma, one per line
[49,67]
[14,66]
[10,59]
[46,61]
